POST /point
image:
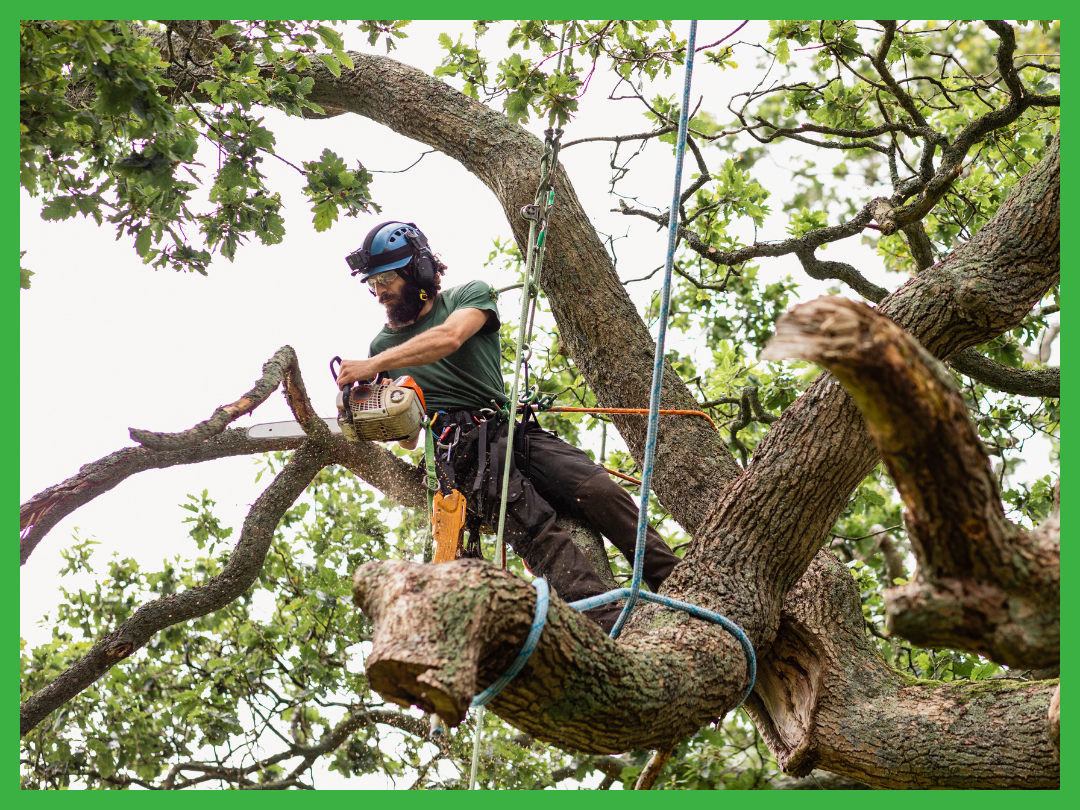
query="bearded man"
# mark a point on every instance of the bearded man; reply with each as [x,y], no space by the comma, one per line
[448,342]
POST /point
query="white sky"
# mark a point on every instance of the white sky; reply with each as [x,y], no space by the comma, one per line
[108,343]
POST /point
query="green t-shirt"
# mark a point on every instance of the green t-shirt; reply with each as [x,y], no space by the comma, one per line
[469,378]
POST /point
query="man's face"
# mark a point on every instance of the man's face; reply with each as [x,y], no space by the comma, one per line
[399,296]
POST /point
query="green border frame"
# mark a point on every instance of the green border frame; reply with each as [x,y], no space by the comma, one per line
[9,331]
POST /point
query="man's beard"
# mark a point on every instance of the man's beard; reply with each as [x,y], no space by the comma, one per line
[402,310]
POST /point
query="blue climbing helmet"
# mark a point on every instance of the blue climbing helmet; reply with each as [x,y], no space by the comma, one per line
[397,246]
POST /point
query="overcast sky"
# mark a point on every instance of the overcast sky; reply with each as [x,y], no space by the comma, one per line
[108,343]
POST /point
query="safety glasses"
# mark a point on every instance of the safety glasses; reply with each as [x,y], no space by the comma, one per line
[383,278]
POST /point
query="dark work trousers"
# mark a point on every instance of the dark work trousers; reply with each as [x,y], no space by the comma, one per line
[556,477]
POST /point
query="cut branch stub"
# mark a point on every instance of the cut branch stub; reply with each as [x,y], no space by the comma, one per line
[442,633]
[983,584]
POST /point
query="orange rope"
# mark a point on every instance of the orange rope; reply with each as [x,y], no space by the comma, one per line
[618,474]
[564,409]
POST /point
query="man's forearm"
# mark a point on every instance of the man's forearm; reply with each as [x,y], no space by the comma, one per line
[425,348]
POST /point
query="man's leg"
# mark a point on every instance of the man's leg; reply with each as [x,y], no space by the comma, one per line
[548,551]
[570,480]
[613,513]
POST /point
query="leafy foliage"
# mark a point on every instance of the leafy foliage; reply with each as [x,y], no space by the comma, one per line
[111,122]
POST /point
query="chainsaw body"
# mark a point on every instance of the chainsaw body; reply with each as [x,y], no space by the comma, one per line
[382,411]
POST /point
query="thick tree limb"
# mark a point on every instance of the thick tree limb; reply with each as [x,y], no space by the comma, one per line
[244,565]
[44,510]
[1032,382]
[824,698]
[815,455]
[444,632]
[982,584]
[1053,721]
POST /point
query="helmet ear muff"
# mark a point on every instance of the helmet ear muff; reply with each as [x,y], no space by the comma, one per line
[422,267]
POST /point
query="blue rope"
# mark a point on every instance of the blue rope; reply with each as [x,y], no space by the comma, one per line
[633,593]
[693,610]
[658,360]
[539,618]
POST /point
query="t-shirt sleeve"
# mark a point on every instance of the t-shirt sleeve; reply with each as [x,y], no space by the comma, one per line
[478,295]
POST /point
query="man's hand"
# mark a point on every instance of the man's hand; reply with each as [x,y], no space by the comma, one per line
[353,370]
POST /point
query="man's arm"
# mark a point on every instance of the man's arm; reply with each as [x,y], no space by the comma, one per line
[427,347]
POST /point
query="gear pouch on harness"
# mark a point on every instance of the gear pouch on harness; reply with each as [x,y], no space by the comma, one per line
[476,467]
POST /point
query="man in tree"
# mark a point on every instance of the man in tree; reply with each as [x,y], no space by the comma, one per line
[449,343]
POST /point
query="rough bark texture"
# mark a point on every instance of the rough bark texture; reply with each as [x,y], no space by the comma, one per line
[774,517]
[825,698]
[1032,382]
[579,690]
[982,584]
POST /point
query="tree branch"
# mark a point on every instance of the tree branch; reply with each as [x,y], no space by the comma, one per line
[819,450]
[281,368]
[244,565]
[1033,382]
[444,632]
[982,584]
[826,699]
[43,511]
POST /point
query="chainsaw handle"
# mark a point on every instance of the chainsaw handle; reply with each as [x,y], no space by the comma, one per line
[335,374]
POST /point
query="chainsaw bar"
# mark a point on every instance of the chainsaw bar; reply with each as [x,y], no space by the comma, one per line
[287,430]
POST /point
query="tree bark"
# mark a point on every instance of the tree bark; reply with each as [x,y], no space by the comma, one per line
[443,633]
[825,699]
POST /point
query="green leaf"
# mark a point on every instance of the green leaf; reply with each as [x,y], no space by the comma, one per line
[226,30]
[142,242]
[331,62]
